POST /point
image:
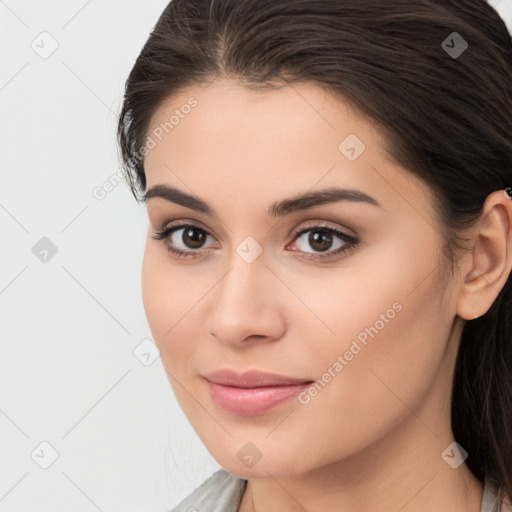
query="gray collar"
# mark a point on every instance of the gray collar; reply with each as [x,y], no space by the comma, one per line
[490,501]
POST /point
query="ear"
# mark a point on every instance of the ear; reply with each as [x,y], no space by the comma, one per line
[487,268]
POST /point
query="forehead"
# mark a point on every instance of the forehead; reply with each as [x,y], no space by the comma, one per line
[291,111]
[229,116]
[226,139]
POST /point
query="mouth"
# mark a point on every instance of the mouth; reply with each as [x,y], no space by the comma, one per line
[253,392]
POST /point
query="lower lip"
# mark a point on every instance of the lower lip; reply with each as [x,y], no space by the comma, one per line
[253,401]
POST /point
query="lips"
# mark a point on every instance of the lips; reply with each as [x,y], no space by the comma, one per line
[253,392]
[251,379]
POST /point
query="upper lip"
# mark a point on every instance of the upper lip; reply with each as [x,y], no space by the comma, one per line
[251,379]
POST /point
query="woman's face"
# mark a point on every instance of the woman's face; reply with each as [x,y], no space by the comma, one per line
[367,322]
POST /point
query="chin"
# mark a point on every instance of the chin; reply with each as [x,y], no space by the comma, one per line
[265,468]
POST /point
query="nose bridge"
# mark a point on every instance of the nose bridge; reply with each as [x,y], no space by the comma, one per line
[241,286]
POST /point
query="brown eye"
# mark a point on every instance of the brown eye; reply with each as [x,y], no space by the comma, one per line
[185,240]
[193,237]
[320,240]
[323,239]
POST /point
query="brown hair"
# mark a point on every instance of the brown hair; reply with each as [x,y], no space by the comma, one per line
[446,117]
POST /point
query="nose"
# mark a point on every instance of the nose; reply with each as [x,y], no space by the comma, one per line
[245,306]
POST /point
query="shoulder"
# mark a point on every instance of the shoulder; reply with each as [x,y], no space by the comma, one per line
[221,492]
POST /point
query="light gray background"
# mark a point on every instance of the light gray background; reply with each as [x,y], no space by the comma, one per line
[73,324]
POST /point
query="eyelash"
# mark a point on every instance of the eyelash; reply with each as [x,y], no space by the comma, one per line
[351,242]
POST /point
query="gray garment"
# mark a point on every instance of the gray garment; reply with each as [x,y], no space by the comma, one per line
[222,492]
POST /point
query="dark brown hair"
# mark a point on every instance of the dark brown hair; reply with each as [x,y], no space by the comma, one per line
[447,118]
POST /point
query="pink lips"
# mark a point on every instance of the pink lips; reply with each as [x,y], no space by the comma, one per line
[252,392]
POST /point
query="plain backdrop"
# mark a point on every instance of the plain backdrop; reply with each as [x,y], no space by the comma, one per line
[88,421]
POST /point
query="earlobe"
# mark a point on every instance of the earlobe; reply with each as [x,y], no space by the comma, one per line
[491,258]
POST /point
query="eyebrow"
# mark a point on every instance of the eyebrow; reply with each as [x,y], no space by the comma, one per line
[281,208]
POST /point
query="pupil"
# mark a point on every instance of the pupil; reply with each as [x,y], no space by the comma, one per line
[193,241]
[320,240]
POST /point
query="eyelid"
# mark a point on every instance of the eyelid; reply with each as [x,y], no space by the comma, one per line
[181,223]
[304,226]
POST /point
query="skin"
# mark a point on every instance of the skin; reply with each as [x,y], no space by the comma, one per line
[372,438]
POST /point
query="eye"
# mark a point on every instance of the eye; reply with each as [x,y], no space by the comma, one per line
[183,240]
[328,241]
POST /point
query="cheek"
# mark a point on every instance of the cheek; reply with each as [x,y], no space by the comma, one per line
[170,295]
[385,380]
[160,290]
[375,390]
[153,291]
[382,320]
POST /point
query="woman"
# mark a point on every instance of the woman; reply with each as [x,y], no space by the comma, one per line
[327,267]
